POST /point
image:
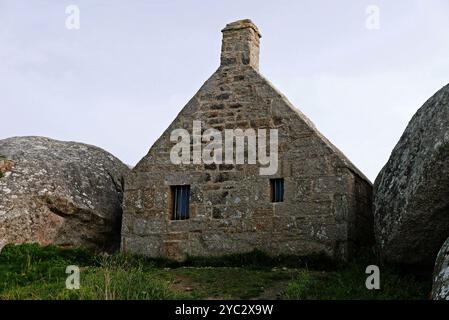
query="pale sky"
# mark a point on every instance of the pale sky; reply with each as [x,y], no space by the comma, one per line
[120,80]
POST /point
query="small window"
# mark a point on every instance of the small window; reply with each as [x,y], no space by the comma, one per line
[277,190]
[180,202]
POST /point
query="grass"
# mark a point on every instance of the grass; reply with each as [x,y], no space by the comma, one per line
[349,283]
[32,272]
[224,282]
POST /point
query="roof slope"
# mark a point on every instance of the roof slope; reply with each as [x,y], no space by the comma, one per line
[239,81]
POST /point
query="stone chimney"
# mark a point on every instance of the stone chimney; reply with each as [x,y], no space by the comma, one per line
[240,45]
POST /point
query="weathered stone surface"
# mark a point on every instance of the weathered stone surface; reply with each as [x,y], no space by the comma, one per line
[63,193]
[440,288]
[411,193]
[327,203]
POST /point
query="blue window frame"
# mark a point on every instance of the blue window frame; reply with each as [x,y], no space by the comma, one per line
[277,190]
[180,202]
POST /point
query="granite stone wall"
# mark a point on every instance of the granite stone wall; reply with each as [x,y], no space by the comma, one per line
[327,202]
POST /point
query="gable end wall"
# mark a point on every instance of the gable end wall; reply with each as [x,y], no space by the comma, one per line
[327,203]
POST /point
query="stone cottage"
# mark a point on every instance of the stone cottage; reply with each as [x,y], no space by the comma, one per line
[315,201]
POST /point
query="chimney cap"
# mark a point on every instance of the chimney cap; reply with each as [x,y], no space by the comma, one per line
[242,24]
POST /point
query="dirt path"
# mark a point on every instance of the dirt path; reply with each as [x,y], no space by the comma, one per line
[274,292]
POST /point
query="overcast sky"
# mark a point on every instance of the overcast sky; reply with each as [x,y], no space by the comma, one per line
[120,80]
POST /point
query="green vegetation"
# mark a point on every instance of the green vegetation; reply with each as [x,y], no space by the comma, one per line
[349,283]
[33,272]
